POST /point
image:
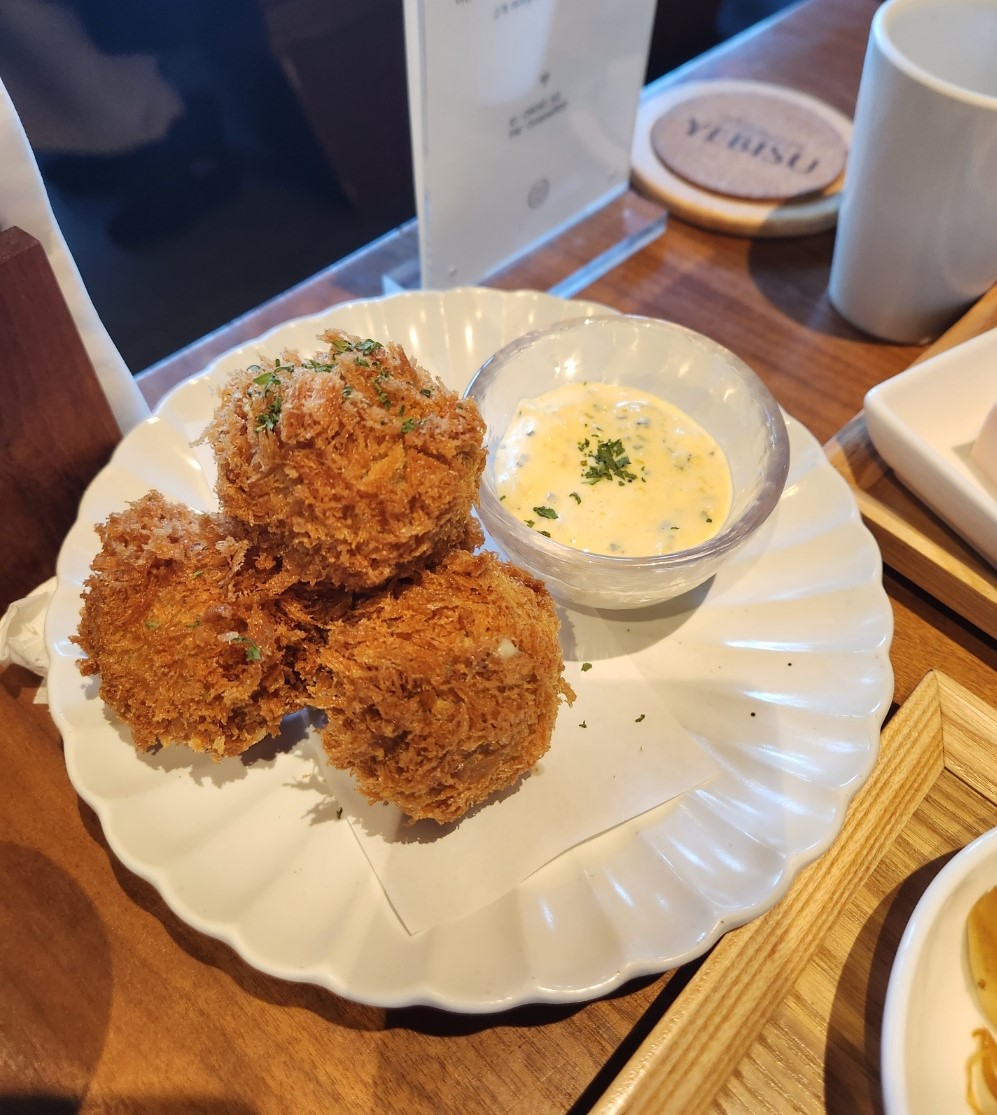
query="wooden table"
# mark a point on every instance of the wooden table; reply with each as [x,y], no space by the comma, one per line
[108,1002]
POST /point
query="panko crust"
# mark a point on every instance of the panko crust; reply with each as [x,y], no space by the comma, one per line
[445,689]
[356,465]
[340,574]
[180,621]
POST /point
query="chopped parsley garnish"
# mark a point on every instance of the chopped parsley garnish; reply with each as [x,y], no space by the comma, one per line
[339,813]
[318,366]
[530,522]
[425,391]
[586,666]
[545,533]
[270,382]
[253,652]
[153,623]
[408,425]
[379,390]
[575,496]
[546,512]
[583,725]
[269,416]
[366,347]
[639,718]
[608,462]
[347,391]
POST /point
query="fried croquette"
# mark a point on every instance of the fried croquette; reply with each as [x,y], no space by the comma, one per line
[444,689]
[180,622]
[356,465]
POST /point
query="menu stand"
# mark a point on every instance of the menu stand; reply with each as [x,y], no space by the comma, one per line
[616,230]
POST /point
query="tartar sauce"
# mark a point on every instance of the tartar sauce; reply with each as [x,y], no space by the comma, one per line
[611,470]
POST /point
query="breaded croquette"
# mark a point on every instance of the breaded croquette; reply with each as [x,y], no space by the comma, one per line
[355,465]
[443,689]
[340,573]
[180,622]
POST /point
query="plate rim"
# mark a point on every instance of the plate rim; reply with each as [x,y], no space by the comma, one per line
[527,991]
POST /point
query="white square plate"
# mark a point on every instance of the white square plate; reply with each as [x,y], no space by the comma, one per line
[924,422]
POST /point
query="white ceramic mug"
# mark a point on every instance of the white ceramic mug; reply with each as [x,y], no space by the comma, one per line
[917,230]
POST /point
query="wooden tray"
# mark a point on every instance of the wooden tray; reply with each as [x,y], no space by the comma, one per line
[914,541]
[785,1013]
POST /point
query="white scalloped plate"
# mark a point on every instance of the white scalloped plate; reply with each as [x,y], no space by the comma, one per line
[931,1007]
[781,667]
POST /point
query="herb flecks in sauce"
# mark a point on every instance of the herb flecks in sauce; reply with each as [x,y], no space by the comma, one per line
[608,461]
[667,483]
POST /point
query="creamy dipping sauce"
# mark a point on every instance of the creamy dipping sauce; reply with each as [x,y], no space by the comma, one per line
[611,470]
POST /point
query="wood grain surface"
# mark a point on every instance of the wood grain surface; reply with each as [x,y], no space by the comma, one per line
[662,119]
[108,1002]
[785,1014]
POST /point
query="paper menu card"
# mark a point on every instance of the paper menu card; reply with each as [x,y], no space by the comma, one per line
[522,117]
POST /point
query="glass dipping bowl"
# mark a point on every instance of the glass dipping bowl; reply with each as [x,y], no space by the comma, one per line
[694,373]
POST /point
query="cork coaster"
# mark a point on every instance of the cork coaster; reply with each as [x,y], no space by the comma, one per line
[742,157]
[750,145]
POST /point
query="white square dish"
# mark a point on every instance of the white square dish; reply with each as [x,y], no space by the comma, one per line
[924,422]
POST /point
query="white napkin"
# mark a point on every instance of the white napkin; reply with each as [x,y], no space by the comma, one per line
[24,202]
[22,634]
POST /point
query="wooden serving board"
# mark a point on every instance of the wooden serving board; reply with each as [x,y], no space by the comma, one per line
[913,540]
[785,1014]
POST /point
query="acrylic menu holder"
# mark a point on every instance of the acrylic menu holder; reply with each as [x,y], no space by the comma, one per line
[522,117]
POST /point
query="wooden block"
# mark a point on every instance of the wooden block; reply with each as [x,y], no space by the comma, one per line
[56,427]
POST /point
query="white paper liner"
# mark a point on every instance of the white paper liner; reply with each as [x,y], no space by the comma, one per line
[616,752]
